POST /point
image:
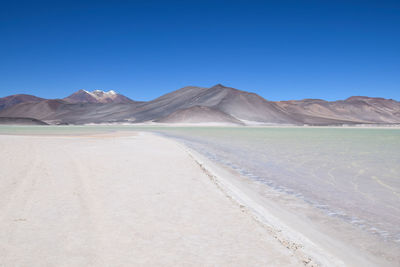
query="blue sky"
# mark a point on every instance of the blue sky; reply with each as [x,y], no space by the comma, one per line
[143,49]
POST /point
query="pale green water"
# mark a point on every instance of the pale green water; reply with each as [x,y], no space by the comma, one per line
[350,174]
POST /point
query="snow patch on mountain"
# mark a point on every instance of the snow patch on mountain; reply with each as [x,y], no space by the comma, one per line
[97,96]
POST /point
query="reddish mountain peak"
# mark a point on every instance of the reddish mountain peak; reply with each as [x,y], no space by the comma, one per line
[97,96]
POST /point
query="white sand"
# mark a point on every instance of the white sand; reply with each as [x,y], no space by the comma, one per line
[121,201]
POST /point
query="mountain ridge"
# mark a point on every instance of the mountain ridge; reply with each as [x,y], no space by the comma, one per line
[194,104]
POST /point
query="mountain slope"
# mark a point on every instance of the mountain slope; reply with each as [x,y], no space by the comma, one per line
[239,104]
[61,112]
[9,101]
[199,114]
[354,110]
[37,110]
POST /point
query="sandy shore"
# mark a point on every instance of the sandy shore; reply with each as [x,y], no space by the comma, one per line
[121,200]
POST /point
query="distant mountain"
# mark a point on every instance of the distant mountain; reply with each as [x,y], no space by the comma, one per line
[219,104]
[41,110]
[97,96]
[354,110]
[9,101]
[62,112]
[239,104]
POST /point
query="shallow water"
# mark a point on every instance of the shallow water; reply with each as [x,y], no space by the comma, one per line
[347,173]
[351,174]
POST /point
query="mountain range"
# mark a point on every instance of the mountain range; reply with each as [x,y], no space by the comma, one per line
[191,104]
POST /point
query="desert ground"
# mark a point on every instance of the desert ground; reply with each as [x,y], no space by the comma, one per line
[121,200]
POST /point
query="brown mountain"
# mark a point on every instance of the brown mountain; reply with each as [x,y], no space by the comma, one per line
[239,104]
[43,110]
[354,110]
[199,104]
[9,101]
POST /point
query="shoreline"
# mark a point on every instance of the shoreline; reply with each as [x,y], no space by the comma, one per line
[293,241]
[315,246]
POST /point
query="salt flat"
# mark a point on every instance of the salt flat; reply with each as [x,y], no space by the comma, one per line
[120,200]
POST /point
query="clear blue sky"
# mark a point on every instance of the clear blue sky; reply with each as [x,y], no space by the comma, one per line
[143,49]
